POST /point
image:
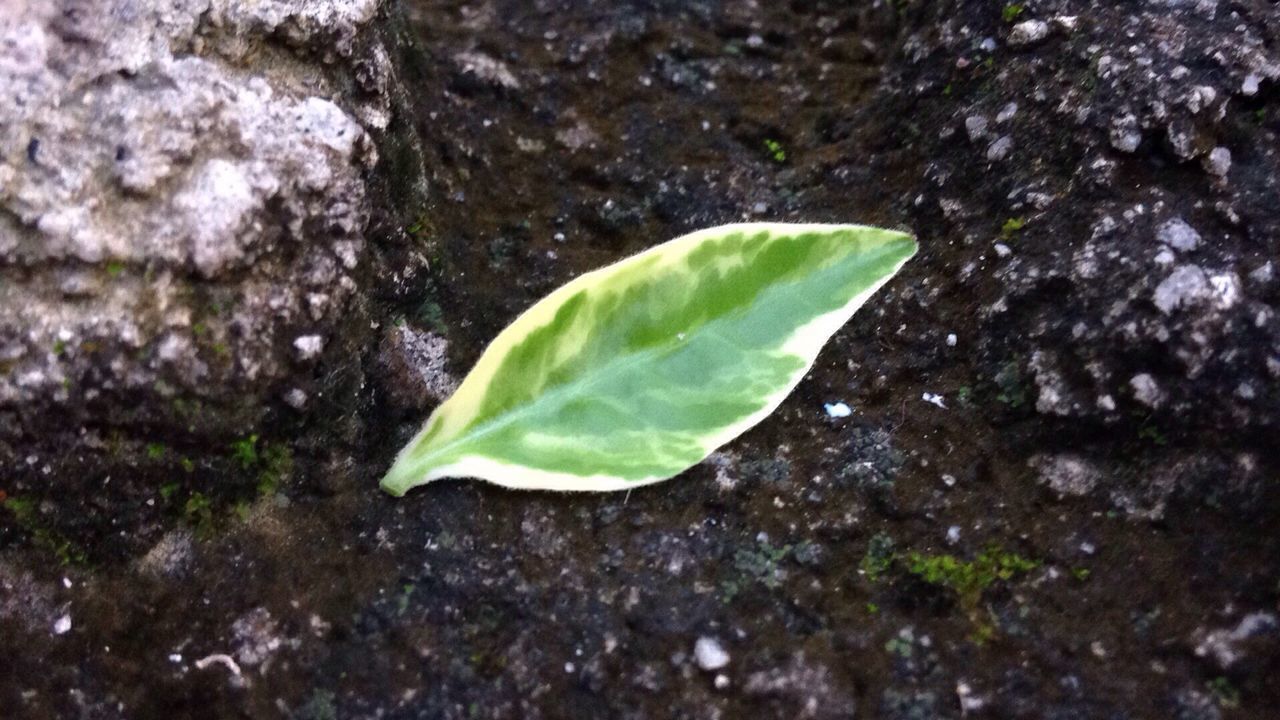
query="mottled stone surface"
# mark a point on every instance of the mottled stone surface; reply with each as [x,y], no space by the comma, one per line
[182,198]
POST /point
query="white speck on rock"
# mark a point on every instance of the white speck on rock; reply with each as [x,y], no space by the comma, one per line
[1028,32]
[1146,390]
[1218,162]
[1227,647]
[62,625]
[951,340]
[1125,135]
[838,410]
[308,346]
[1226,289]
[934,399]
[1000,149]
[1007,112]
[709,654]
[975,126]
[216,205]
[1185,285]
[1067,474]
[488,69]
[1177,234]
[296,398]
[325,123]
[1067,22]
[1249,87]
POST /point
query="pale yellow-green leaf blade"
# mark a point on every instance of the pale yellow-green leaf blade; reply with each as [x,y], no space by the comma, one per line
[632,373]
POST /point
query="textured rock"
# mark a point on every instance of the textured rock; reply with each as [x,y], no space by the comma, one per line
[182,202]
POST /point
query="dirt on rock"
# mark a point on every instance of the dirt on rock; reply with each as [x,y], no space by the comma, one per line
[1055,496]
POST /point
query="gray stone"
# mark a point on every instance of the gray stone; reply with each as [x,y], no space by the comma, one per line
[1218,162]
[1177,234]
[710,654]
[975,126]
[1146,390]
[1185,285]
[189,200]
[1028,32]
[1125,135]
[999,149]
[1228,646]
[1067,474]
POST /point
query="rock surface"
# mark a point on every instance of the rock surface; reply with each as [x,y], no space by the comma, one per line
[182,201]
[1053,494]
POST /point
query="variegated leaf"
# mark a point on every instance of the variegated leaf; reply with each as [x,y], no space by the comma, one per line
[632,373]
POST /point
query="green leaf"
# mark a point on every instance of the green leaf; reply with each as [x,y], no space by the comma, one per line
[630,374]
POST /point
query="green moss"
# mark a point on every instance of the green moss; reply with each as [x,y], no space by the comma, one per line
[198,510]
[775,150]
[44,538]
[1224,692]
[879,557]
[277,464]
[155,451]
[900,647]
[114,268]
[1011,227]
[756,565]
[321,706]
[968,580]
[1013,390]
[1011,12]
[429,314]
[245,451]
[1152,434]
[406,594]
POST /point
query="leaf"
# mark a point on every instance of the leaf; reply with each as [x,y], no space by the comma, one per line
[630,374]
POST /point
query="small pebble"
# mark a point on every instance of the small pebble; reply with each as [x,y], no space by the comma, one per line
[1028,32]
[999,149]
[838,410]
[62,625]
[710,654]
[975,126]
[308,346]
[1218,162]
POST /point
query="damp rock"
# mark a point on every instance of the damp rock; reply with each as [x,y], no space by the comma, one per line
[1067,474]
[174,204]
[416,363]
